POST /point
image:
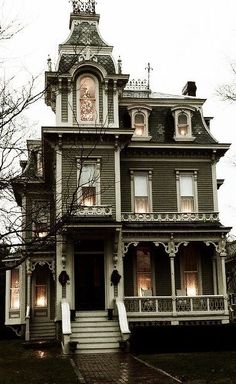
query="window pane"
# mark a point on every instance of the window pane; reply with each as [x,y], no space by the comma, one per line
[186,185]
[140,185]
[187,204]
[88,175]
[182,119]
[141,205]
[14,290]
[41,295]
[87,99]
[139,124]
[88,196]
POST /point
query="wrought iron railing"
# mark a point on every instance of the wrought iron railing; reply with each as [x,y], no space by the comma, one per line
[170,217]
[167,304]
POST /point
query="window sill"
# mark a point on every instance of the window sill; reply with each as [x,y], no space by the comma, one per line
[141,138]
[178,138]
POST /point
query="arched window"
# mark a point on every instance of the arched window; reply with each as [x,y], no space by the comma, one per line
[139,124]
[183,126]
[87,105]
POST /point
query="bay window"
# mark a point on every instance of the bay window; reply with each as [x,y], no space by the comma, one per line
[15,289]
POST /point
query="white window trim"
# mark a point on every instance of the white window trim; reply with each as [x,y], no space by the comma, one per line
[188,111]
[97,162]
[148,172]
[97,120]
[145,111]
[194,175]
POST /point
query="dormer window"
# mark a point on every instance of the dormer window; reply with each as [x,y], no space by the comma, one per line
[183,124]
[139,122]
[88,99]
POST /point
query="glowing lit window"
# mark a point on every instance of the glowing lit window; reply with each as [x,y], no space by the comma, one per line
[41,290]
[15,289]
[187,191]
[144,273]
[190,270]
[141,195]
[183,127]
[87,91]
[139,124]
[89,183]
[183,123]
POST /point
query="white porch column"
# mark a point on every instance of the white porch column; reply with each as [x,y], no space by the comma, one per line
[172,274]
[214,270]
[28,300]
[224,284]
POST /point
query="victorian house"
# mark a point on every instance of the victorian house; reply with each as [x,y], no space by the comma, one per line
[119,205]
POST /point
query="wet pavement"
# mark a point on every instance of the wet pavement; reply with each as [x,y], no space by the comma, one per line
[117,368]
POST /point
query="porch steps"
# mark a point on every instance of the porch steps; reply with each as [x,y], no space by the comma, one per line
[95,333]
[42,330]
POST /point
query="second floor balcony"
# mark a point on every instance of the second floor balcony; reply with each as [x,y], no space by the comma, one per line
[171,217]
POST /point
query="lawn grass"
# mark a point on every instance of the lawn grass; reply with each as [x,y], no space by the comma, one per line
[207,367]
[19,365]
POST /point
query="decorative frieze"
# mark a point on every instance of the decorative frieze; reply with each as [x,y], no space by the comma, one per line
[170,217]
[84,6]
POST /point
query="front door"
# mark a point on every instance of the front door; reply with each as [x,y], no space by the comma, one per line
[89,282]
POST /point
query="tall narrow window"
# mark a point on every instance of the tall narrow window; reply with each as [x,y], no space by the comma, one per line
[183,127]
[141,193]
[14,289]
[41,289]
[186,193]
[144,273]
[139,124]
[190,272]
[89,183]
[87,91]
[41,218]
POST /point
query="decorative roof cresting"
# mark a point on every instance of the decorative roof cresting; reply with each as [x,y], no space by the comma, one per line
[84,6]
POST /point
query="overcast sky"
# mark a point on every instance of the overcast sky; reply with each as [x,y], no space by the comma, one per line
[183,40]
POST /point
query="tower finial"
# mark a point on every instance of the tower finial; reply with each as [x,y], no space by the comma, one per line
[149,69]
[84,6]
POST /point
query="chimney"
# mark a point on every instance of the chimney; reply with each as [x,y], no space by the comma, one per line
[189,89]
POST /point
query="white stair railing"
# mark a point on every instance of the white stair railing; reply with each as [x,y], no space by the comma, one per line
[123,322]
[66,326]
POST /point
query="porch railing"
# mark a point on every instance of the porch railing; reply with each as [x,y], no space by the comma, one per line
[94,211]
[167,305]
[170,217]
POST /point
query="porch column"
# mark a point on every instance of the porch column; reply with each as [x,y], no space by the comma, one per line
[172,274]
[28,299]
[224,284]
[214,269]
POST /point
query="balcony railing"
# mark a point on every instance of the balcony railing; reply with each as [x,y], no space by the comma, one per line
[168,305]
[94,211]
[170,217]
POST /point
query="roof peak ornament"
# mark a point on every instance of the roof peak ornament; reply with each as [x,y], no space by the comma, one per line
[84,6]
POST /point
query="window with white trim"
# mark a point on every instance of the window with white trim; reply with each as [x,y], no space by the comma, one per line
[141,191]
[88,108]
[187,191]
[15,289]
[89,182]
[183,124]
[139,122]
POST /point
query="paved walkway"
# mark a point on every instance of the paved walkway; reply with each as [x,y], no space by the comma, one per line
[117,368]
